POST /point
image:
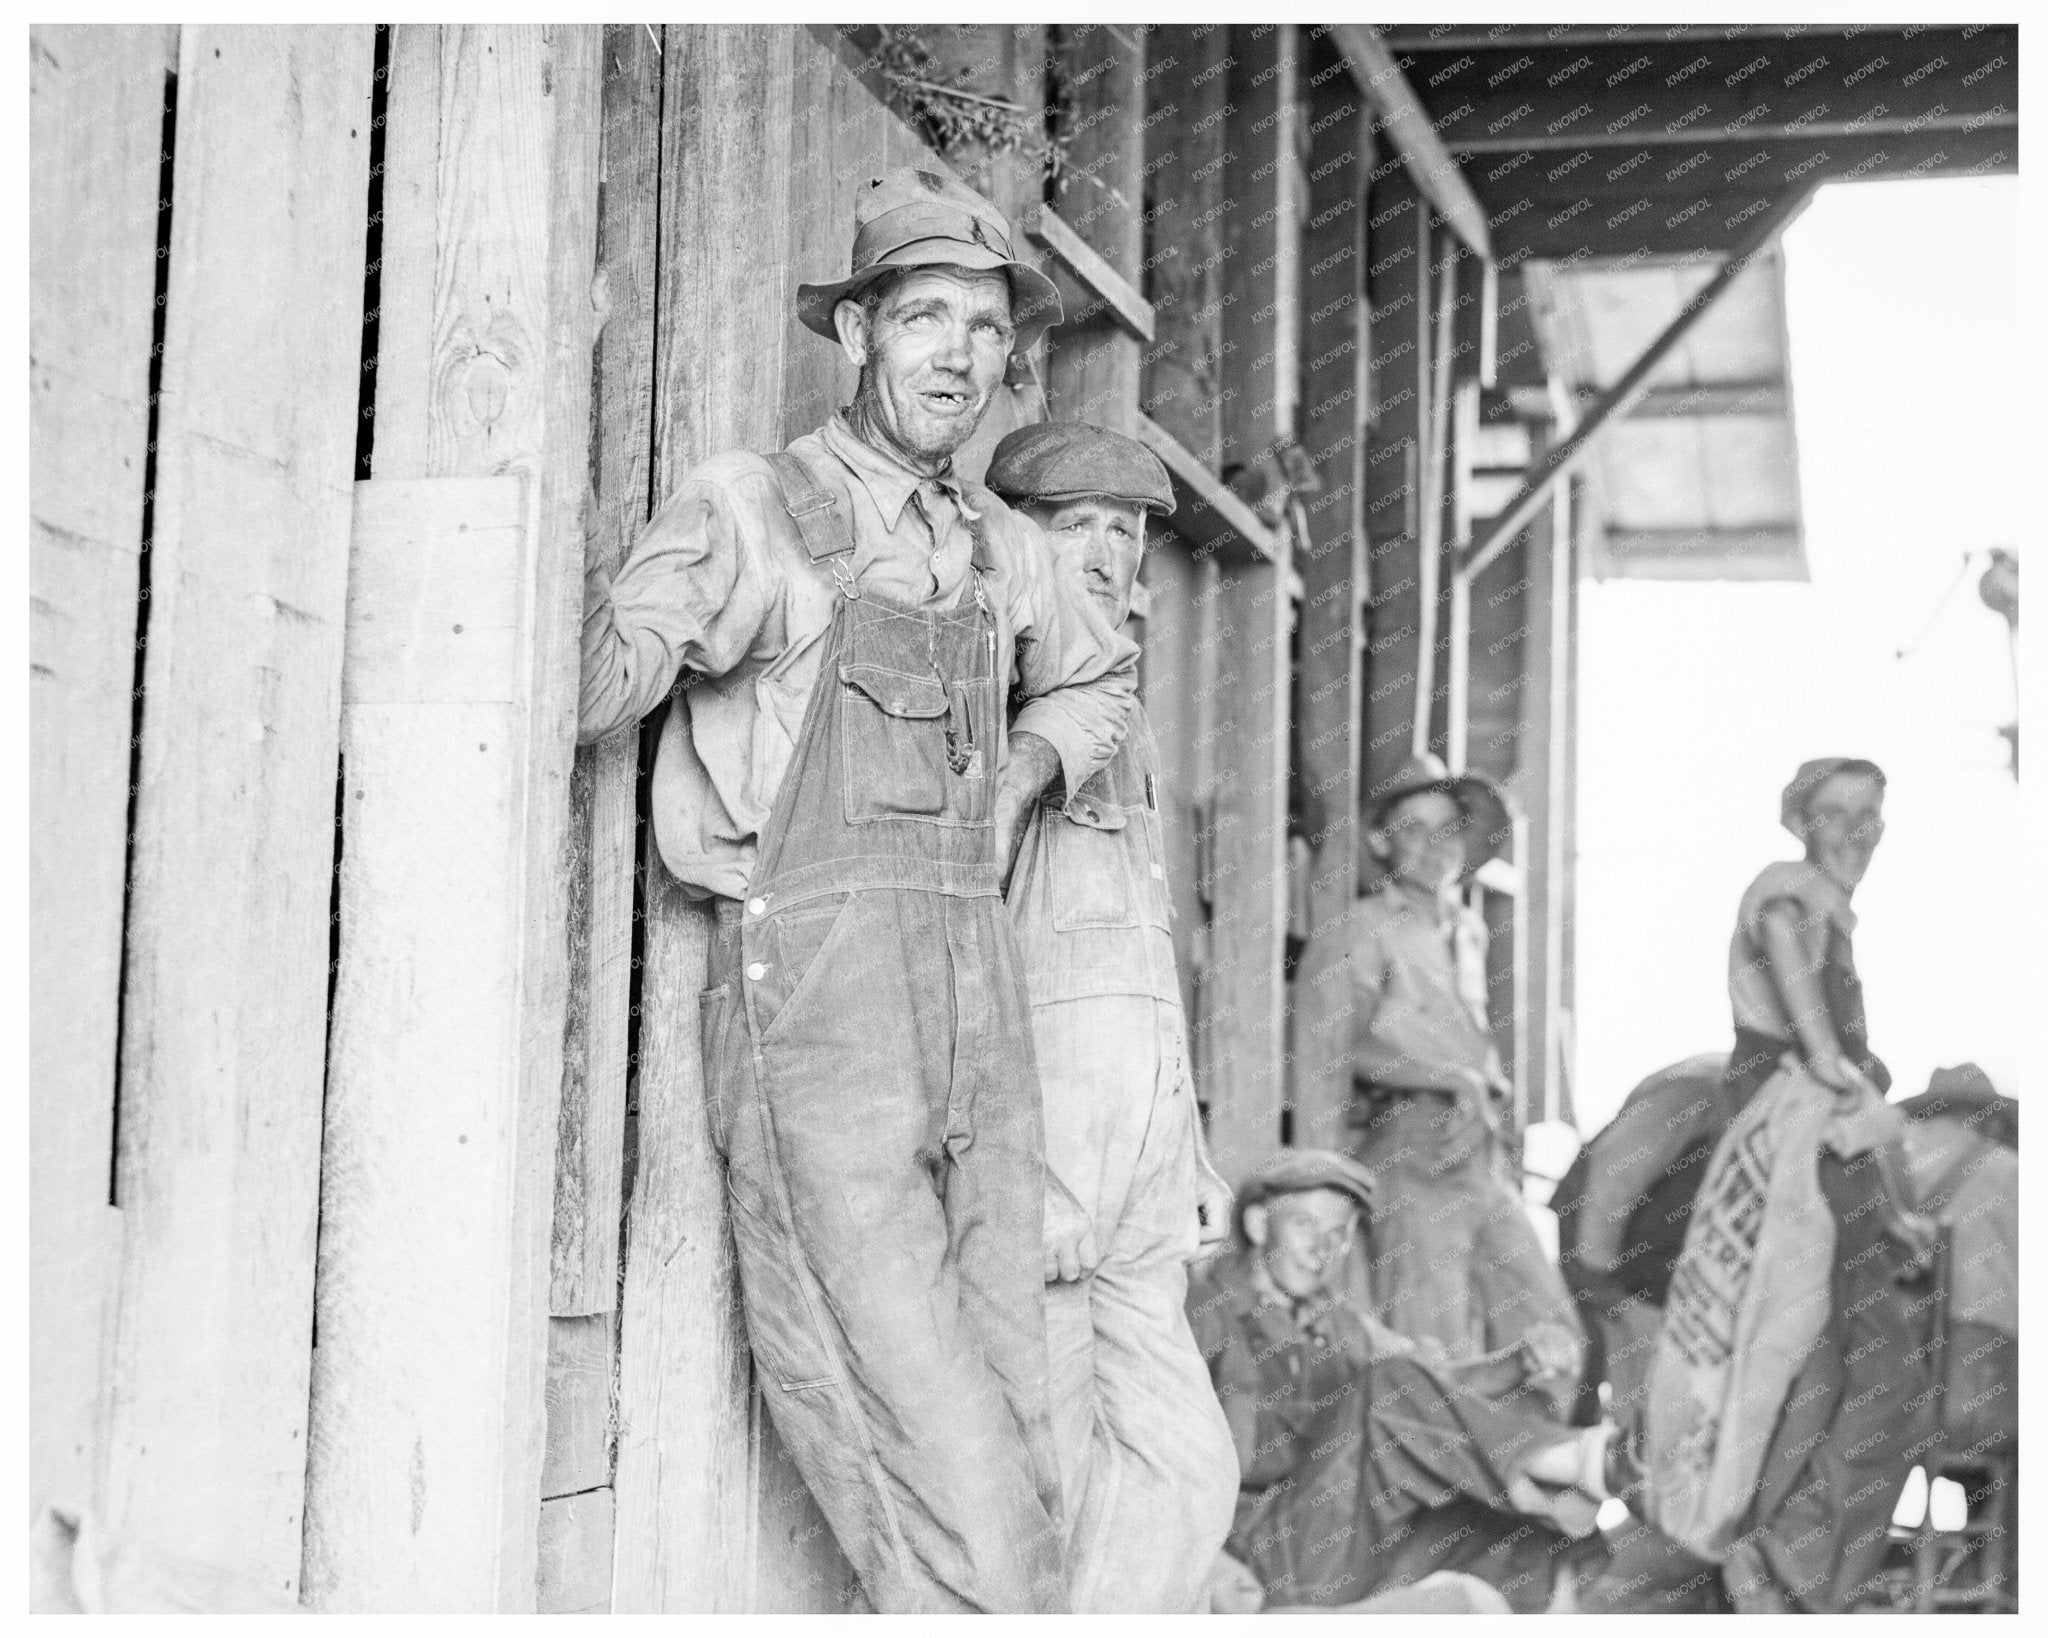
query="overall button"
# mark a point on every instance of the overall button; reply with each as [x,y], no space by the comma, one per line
[757,971]
[757,907]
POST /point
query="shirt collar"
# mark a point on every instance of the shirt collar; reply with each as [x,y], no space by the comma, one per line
[887,480]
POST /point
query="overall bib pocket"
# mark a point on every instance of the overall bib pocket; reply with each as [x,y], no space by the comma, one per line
[895,743]
[1088,871]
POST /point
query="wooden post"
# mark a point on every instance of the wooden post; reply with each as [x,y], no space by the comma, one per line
[588,1171]
[1182,278]
[1094,366]
[685,1503]
[226,982]
[446,1060]
[1242,1024]
[1403,337]
[1337,341]
[96,107]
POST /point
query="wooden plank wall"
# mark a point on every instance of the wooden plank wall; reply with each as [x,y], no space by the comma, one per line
[1242,1024]
[96,109]
[1186,92]
[1094,360]
[226,963]
[1336,343]
[451,1005]
[683,1487]
[1401,298]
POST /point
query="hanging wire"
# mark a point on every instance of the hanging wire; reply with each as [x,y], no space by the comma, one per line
[1915,645]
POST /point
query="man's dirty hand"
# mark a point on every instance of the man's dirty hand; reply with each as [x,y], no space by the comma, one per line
[1070,1249]
[1031,765]
[1213,1201]
[1550,1350]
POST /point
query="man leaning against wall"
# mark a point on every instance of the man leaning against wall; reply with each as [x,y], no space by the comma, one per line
[838,779]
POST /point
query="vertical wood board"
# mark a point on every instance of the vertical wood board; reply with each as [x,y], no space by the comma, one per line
[429,1386]
[96,118]
[584,1248]
[685,1505]
[226,979]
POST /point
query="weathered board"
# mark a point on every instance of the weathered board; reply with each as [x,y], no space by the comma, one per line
[579,1406]
[1336,380]
[451,1004]
[1094,366]
[1243,999]
[588,1175]
[685,1507]
[96,98]
[226,980]
[575,1554]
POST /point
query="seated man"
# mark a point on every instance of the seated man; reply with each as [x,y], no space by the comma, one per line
[1371,1460]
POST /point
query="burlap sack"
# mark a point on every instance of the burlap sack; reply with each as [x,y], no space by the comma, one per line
[1748,1300]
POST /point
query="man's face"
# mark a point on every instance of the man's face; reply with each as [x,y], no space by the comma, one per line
[930,358]
[1098,543]
[1426,837]
[1844,823]
[1303,1239]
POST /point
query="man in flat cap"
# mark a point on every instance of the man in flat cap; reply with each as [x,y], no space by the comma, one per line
[839,780]
[1370,1458]
[1454,1255]
[1146,1462]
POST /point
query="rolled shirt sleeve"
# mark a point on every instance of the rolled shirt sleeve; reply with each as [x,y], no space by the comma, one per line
[689,594]
[1079,678]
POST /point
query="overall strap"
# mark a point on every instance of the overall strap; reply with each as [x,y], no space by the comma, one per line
[815,511]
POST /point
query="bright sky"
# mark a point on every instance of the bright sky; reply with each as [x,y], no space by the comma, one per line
[1699,700]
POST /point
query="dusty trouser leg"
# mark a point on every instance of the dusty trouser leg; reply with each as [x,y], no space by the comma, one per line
[1453,1256]
[1408,1473]
[881,1132]
[1146,1460]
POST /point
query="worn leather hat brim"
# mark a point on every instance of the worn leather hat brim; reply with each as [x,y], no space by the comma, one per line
[1034,299]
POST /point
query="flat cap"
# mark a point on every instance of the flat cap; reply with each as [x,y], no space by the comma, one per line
[1064,460]
[1296,1171]
[1810,777]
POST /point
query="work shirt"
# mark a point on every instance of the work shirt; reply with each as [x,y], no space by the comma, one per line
[1764,1024]
[1413,1010]
[1089,894]
[720,584]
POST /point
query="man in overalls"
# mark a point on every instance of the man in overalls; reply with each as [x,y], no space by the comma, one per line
[837,781]
[1146,1461]
[1454,1255]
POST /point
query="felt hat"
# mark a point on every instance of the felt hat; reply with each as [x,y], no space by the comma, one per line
[1483,803]
[1296,1171]
[1054,461]
[1964,1092]
[1810,777]
[914,217]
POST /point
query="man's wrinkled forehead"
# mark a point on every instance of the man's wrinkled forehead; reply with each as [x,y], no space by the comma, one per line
[976,291]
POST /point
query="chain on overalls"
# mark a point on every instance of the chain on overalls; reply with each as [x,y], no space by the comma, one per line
[868,1056]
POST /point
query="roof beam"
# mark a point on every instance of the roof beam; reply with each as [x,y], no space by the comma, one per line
[1765,398]
[1408,127]
[1521,36]
[1623,396]
[1206,513]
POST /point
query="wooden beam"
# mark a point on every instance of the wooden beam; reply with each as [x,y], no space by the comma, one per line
[226,982]
[96,110]
[1093,369]
[1743,90]
[1622,396]
[1241,1026]
[579,1405]
[451,1005]
[584,1246]
[684,1480]
[1736,398]
[1337,390]
[1409,128]
[1206,512]
[1044,227]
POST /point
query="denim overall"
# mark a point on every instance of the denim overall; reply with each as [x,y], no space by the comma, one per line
[868,1057]
[1146,1463]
